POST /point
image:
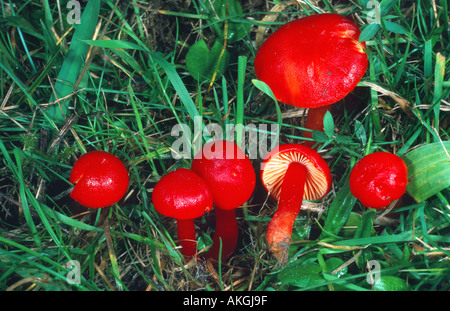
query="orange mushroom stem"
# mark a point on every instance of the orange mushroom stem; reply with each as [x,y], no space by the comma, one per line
[289,205]
[314,122]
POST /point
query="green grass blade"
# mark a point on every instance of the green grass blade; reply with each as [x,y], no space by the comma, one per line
[24,200]
[178,85]
[339,211]
[73,62]
[439,73]
[31,101]
[428,59]
[69,221]
[406,236]
[17,172]
[38,80]
[115,44]
[365,228]
[242,63]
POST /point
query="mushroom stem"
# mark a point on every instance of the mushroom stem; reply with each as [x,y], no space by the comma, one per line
[186,237]
[280,227]
[226,234]
[314,121]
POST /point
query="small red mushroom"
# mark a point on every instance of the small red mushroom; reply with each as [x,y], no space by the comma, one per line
[231,178]
[378,179]
[312,62]
[183,195]
[291,173]
[100,179]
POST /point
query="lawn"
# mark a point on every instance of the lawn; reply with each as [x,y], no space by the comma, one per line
[148,80]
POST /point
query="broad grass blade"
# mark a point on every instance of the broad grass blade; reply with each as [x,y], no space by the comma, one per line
[73,62]
[428,170]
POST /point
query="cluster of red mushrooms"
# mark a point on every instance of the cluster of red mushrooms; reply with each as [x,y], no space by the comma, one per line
[312,63]
[220,175]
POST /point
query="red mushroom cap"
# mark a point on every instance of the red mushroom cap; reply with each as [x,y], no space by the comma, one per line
[182,194]
[100,179]
[227,171]
[275,164]
[378,179]
[312,61]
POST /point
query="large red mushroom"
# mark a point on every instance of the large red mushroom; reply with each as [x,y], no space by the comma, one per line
[312,62]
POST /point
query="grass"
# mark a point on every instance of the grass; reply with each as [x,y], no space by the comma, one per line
[136,88]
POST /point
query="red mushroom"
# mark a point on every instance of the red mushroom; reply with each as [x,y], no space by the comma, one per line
[100,179]
[291,173]
[378,179]
[312,62]
[231,178]
[183,195]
